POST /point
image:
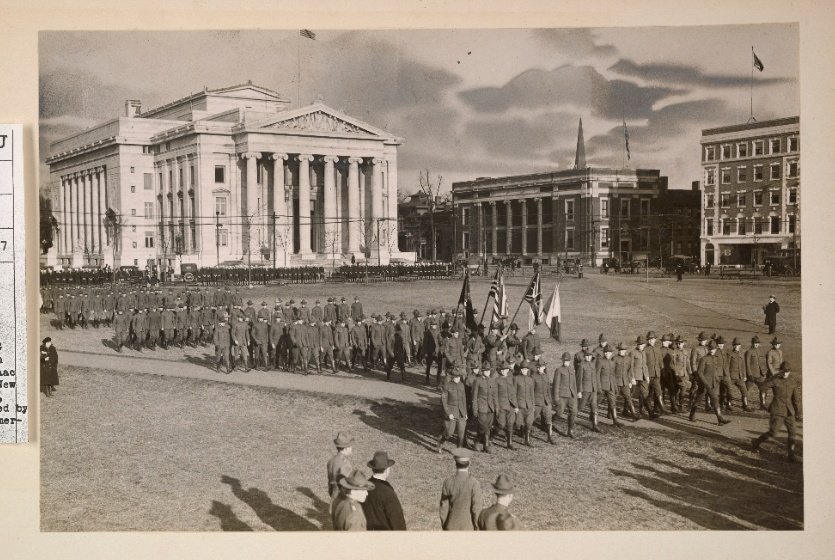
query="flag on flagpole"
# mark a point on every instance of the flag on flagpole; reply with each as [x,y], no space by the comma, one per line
[553,312]
[758,64]
[497,294]
[533,295]
[307,33]
[626,138]
[466,300]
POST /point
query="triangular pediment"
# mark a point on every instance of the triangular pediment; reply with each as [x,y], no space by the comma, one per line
[319,118]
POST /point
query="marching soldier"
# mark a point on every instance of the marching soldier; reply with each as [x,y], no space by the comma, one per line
[460,496]
[326,343]
[295,334]
[588,385]
[356,310]
[580,355]
[683,373]
[506,400]
[276,333]
[122,329]
[240,342]
[261,341]
[359,343]
[736,375]
[564,392]
[347,508]
[488,519]
[696,355]
[341,341]
[222,339]
[317,313]
[484,405]
[432,350]
[416,328]
[329,312]
[343,311]
[709,371]
[605,366]
[454,404]
[756,368]
[624,379]
[378,342]
[139,326]
[784,409]
[542,399]
[525,401]
[154,326]
[398,351]
[641,375]
[339,466]
[774,357]
[655,365]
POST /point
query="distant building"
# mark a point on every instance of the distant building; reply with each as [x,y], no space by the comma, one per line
[751,195]
[415,222]
[590,213]
[225,175]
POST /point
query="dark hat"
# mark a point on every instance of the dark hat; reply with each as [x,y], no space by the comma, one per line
[785,366]
[622,346]
[776,340]
[343,440]
[380,461]
[416,313]
[292,301]
[587,352]
[702,336]
[304,302]
[461,455]
[651,334]
[343,298]
[679,340]
[526,365]
[317,300]
[666,337]
[711,344]
[514,327]
[601,338]
[720,339]
[584,342]
[503,485]
[608,349]
[356,481]
[639,340]
[735,342]
[755,339]
[456,372]
[772,296]
[330,299]
[249,302]
[263,303]
[47,339]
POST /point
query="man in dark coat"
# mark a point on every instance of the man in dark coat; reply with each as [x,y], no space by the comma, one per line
[49,367]
[382,508]
[784,408]
[771,309]
[460,502]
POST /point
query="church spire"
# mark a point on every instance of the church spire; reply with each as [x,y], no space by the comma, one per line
[580,154]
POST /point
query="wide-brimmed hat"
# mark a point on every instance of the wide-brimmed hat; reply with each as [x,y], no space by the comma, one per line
[249,302]
[639,340]
[566,356]
[776,340]
[622,346]
[720,339]
[735,342]
[785,366]
[702,336]
[380,461]
[47,339]
[755,339]
[343,440]
[651,334]
[601,338]
[503,485]
[356,481]
[584,342]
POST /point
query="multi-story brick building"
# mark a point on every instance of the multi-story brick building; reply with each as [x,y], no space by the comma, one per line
[751,194]
[591,213]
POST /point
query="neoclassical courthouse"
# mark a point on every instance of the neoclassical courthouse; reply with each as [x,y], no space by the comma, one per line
[228,175]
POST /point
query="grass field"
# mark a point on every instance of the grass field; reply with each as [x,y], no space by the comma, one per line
[131,451]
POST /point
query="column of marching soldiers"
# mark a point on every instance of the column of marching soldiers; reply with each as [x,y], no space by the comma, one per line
[492,381]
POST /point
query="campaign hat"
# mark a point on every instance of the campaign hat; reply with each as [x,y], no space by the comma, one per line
[356,481]
[380,461]
[343,440]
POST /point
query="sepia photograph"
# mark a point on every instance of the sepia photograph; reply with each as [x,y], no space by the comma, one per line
[314,279]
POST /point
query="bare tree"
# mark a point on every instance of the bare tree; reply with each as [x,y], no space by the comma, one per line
[432,191]
[402,195]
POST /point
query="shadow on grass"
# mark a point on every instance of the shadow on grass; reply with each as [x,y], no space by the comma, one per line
[714,497]
[321,509]
[277,517]
[228,520]
[415,423]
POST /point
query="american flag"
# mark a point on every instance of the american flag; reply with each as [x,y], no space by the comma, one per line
[498,295]
[467,301]
[307,33]
[626,139]
[533,295]
[758,64]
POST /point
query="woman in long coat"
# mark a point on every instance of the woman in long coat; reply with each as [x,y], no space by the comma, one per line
[49,367]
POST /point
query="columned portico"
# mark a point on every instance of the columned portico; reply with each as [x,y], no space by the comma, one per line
[304,203]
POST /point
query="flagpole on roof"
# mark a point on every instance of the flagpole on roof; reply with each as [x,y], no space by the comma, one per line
[751,114]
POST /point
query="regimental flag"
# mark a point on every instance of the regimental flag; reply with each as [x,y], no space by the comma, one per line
[552,313]
[307,33]
[466,300]
[533,295]
[758,64]
[498,296]
[626,139]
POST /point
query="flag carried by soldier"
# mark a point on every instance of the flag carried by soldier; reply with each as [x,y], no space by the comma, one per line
[467,301]
[498,296]
[553,313]
[533,295]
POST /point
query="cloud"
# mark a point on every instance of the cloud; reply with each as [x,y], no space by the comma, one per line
[524,139]
[685,74]
[575,42]
[568,85]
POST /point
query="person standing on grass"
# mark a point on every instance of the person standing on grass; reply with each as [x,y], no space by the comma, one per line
[774,357]
[49,367]
[771,309]
[488,519]
[222,339]
[339,466]
[710,375]
[756,368]
[454,404]
[460,502]
[382,508]
[347,509]
[784,408]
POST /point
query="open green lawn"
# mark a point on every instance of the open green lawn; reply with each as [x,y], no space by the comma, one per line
[131,451]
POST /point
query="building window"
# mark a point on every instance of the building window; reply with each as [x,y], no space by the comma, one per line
[133,244]
[604,208]
[792,223]
[793,169]
[645,207]
[742,149]
[775,170]
[740,225]
[793,144]
[759,148]
[758,172]
[132,169]
[604,238]
[710,200]
[758,226]
[135,262]
[726,151]
[133,188]
[726,176]
[569,210]
[220,206]
[741,174]
[148,180]
[741,199]
[726,226]
[774,197]
[133,229]
[466,241]
[625,207]
[710,177]
[710,153]
[793,195]
[775,145]
[220,173]
[569,239]
[775,224]
[133,211]
[465,217]
[725,200]
[191,175]
[222,237]
[709,226]
[758,198]
[180,177]
[149,210]
[149,239]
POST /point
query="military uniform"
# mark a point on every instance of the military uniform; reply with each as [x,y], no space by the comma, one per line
[785,407]
[525,404]
[710,375]
[222,340]
[506,404]
[485,405]
[460,502]
[454,405]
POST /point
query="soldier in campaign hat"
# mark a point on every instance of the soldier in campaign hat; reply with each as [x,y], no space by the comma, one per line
[784,409]
[489,517]
[348,514]
[454,404]
[339,466]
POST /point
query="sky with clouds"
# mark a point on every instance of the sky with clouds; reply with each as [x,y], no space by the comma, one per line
[468,103]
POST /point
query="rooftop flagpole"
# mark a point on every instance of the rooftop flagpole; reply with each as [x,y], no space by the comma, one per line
[751,115]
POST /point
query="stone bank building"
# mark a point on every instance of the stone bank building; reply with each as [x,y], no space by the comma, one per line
[227,176]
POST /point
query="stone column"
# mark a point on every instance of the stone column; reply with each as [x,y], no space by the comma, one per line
[329,191]
[377,202]
[304,203]
[480,225]
[183,165]
[353,217]
[539,226]
[279,235]
[509,222]
[85,209]
[251,200]
[392,214]
[494,212]
[524,226]
[65,215]
[93,212]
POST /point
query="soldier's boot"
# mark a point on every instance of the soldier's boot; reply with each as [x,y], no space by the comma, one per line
[595,427]
[217,367]
[551,434]
[758,441]
[462,440]
[721,419]
[440,443]
[692,416]
[745,403]
[615,420]
[570,432]
[509,436]
[762,401]
[528,436]
[792,456]
[486,442]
